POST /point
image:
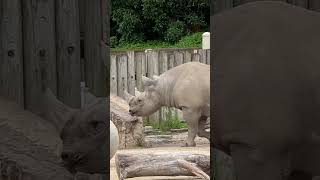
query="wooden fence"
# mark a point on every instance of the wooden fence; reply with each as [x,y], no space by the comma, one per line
[40,47]
[127,68]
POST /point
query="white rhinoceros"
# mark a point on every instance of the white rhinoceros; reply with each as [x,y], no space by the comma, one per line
[186,87]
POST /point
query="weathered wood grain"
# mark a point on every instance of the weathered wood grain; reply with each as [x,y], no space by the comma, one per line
[314,5]
[171,61]
[39,50]
[11,45]
[139,69]
[203,56]
[178,58]
[95,65]
[122,68]
[187,56]
[152,58]
[195,57]
[131,73]
[68,52]
[208,57]
[113,75]
[158,164]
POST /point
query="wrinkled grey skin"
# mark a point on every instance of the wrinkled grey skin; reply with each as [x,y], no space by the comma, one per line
[186,87]
[266,94]
[83,132]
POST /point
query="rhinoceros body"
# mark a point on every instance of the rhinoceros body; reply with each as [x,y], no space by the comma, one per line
[186,87]
[267,90]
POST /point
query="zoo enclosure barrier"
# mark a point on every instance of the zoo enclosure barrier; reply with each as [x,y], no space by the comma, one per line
[55,44]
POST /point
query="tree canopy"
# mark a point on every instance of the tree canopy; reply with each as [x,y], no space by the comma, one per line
[162,20]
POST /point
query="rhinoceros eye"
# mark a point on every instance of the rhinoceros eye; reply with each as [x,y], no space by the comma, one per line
[139,100]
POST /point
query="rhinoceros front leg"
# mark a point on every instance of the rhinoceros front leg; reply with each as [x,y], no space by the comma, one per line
[250,164]
[192,117]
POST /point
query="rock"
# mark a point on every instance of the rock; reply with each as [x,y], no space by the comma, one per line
[131,131]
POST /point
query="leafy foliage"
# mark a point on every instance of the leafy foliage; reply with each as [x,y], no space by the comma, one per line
[135,21]
[193,40]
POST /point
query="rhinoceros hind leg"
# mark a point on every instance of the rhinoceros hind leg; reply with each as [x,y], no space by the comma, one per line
[192,117]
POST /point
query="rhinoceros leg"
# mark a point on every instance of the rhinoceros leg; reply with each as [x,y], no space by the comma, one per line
[202,127]
[249,164]
[192,117]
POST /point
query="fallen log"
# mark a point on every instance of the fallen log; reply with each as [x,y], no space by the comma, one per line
[159,164]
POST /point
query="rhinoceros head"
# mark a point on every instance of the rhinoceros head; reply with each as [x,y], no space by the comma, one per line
[147,102]
[83,132]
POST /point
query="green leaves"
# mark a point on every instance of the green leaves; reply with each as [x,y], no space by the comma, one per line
[161,20]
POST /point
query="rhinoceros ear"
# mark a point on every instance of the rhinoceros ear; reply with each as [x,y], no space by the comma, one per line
[148,82]
[55,111]
[127,96]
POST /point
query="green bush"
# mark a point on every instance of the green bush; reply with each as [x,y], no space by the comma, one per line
[193,40]
[113,41]
[190,41]
[158,20]
[175,31]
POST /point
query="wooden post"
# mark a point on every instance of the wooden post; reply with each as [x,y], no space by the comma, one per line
[96,58]
[11,63]
[314,5]
[208,57]
[152,58]
[140,69]
[163,67]
[68,52]
[122,70]
[39,51]
[171,61]
[131,73]
[196,57]
[203,56]
[178,58]
[114,76]
[187,56]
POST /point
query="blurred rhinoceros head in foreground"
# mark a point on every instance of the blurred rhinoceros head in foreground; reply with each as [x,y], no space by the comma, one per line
[83,132]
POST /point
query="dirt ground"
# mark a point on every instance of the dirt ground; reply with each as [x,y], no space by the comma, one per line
[174,145]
